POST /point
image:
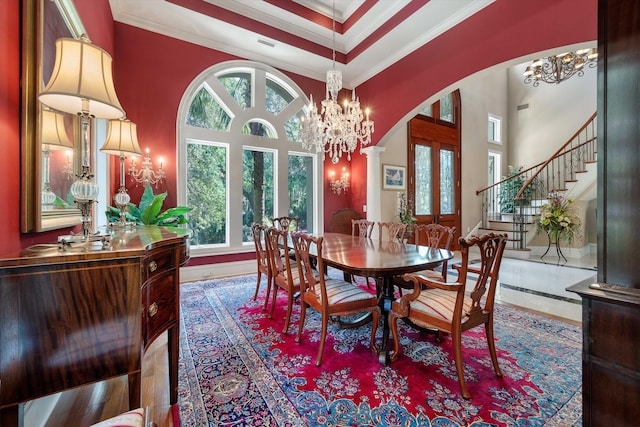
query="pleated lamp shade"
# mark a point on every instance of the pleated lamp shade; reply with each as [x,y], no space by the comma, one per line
[53,133]
[82,80]
[122,139]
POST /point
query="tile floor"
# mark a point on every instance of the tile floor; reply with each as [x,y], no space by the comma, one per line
[541,286]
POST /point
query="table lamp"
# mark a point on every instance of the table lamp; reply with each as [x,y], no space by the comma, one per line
[122,139]
[53,137]
[82,83]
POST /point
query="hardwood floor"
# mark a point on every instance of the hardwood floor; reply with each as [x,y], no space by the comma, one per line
[93,403]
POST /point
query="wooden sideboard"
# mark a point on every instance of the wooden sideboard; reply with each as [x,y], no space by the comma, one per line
[87,313]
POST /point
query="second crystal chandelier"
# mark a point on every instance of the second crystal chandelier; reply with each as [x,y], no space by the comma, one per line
[336,130]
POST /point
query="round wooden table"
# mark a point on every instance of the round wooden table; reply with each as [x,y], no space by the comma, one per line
[382,260]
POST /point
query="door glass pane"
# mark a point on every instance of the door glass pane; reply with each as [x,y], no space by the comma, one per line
[423,168]
[301,190]
[447,181]
[207,193]
[446,108]
[257,189]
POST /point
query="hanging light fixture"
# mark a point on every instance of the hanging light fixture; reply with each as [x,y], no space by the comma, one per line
[336,130]
[555,69]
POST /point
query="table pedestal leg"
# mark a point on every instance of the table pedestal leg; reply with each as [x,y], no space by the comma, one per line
[387,297]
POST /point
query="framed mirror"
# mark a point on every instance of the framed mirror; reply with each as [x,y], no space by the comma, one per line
[49,155]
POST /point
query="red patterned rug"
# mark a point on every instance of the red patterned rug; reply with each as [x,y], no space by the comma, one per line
[238,369]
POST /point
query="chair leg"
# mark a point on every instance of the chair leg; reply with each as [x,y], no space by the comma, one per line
[275,297]
[488,327]
[456,339]
[287,319]
[266,298]
[323,337]
[255,296]
[393,325]
[303,313]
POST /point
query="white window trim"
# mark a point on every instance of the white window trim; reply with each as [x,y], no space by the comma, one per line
[234,137]
[497,126]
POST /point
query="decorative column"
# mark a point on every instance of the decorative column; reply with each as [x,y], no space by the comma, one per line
[374,179]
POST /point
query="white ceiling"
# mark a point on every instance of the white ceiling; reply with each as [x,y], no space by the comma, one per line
[298,36]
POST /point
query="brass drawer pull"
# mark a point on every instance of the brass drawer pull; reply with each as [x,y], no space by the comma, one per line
[153,309]
[153,266]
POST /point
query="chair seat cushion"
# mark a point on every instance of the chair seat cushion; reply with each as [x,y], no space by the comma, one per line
[438,303]
[340,292]
[133,418]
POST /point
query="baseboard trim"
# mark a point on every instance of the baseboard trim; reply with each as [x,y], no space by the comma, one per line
[215,271]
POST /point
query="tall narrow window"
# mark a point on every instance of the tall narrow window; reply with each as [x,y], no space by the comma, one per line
[207,192]
[494,129]
[301,190]
[257,189]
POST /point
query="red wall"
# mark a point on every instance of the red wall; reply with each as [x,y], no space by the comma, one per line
[151,72]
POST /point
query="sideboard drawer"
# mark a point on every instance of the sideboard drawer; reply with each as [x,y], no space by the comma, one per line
[159,306]
[158,261]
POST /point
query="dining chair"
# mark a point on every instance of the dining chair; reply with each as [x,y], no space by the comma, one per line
[449,307]
[362,228]
[437,236]
[288,223]
[330,297]
[284,275]
[394,231]
[262,257]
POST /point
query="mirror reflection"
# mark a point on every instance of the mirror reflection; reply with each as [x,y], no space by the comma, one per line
[49,156]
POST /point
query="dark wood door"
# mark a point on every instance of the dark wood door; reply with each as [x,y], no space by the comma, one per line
[434,169]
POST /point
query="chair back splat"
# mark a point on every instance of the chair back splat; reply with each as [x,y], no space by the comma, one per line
[394,231]
[449,307]
[361,228]
[287,223]
[330,297]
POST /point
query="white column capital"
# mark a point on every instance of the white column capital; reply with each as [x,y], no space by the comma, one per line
[373,151]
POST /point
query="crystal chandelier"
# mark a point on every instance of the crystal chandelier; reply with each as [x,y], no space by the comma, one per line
[336,130]
[555,69]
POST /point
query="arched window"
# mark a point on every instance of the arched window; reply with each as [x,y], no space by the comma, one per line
[240,157]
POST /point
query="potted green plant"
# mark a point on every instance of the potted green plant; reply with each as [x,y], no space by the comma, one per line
[149,211]
[509,189]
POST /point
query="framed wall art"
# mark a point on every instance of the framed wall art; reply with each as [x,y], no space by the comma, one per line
[394,177]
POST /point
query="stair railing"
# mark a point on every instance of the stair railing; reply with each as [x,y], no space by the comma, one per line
[541,179]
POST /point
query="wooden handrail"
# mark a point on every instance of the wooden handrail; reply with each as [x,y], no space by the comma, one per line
[555,155]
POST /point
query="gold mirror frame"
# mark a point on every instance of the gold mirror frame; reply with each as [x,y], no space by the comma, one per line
[38,43]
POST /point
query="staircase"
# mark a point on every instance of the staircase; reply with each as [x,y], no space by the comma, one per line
[571,171]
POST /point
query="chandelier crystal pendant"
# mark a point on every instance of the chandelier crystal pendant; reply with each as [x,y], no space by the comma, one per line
[555,69]
[336,129]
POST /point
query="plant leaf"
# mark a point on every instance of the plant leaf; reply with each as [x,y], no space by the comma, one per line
[150,213]
[147,198]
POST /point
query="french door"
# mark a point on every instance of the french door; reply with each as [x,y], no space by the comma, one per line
[434,169]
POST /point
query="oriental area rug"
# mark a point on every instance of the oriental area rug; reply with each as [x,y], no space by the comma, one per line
[238,369]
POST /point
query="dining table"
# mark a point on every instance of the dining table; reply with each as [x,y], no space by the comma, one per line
[380,259]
